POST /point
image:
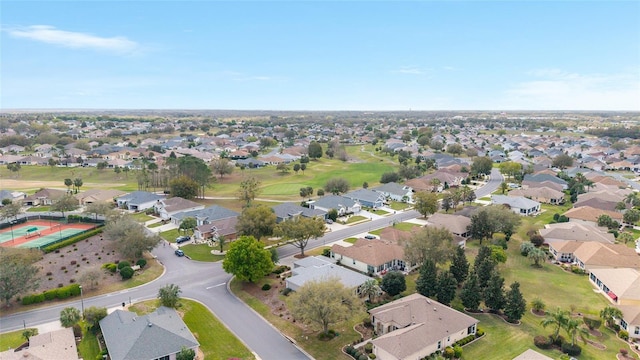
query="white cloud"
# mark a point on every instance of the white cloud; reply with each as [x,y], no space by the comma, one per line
[75,40]
[410,70]
[554,89]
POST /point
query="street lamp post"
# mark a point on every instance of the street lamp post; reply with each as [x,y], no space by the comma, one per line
[81,302]
[11,223]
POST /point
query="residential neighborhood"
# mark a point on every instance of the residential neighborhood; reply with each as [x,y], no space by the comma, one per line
[361,205]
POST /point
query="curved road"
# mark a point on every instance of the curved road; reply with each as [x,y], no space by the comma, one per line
[207,283]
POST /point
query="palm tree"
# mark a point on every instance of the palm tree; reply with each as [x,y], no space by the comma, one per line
[557,318]
[573,329]
[609,314]
[370,289]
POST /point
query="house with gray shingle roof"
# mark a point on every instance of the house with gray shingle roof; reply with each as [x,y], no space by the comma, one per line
[396,192]
[518,204]
[174,205]
[138,200]
[286,211]
[158,335]
[366,197]
[317,268]
[204,216]
[341,204]
[539,178]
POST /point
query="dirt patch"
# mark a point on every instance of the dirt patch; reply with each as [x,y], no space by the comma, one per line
[595,332]
[596,345]
[539,313]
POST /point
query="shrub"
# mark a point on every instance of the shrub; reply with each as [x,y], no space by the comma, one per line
[51,294]
[624,352]
[363,357]
[77,331]
[542,342]
[74,289]
[266,287]
[368,348]
[457,350]
[577,270]
[349,349]
[38,298]
[537,240]
[623,334]
[448,352]
[73,262]
[572,350]
[326,252]
[123,264]
[27,300]
[63,268]
[367,322]
[286,291]
[49,273]
[479,332]
[63,293]
[142,263]
[126,272]
[372,356]
[592,322]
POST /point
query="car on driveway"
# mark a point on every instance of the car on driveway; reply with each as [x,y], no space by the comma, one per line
[181,239]
[370,237]
[179,252]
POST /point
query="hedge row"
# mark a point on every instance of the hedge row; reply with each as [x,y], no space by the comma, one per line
[71,240]
[59,293]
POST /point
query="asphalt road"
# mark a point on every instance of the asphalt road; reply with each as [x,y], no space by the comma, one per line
[207,283]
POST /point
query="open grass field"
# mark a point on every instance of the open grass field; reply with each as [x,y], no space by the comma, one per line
[216,341]
[29,178]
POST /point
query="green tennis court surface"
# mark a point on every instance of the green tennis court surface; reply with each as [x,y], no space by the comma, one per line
[19,231]
[47,239]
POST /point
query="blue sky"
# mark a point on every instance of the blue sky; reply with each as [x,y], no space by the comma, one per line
[357,55]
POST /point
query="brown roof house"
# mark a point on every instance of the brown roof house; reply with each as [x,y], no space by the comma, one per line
[43,197]
[590,215]
[99,196]
[630,320]
[575,231]
[542,194]
[456,224]
[375,257]
[621,285]
[58,344]
[592,255]
[415,326]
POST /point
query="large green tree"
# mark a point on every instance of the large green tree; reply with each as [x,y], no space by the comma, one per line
[484,266]
[562,161]
[459,267]
[393,283]
[426,203]
[446,289]
[427,282]
[482,165]
[515,305]
[222,167]
[256,221]
[324,302]
[247,259]
[300,230]
[184,187]
[315,150]
[93,315]
[494,293]
[99,208]
[471,294]
[429,243]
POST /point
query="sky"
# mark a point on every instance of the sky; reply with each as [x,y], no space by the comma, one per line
[320,55]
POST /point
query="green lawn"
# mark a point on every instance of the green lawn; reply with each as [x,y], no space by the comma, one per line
[170,235]
[88,347]
[11,340]
[351,240]
[142,217]
[355,219]
[216,341]
[201,252]
[395,205]
[154,225]
[405,226]
[92,178]
[379,212]
[39,209]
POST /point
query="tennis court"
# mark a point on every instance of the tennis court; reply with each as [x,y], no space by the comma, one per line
[39,233]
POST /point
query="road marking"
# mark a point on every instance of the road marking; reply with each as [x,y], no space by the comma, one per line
[211,287]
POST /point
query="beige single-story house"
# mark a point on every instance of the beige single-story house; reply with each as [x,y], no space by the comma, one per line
[416,326]
[620,285]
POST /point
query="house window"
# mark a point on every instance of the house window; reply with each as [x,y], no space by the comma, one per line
[623,324]
[637,330]
[166,357]
[439,345]
[354,261]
